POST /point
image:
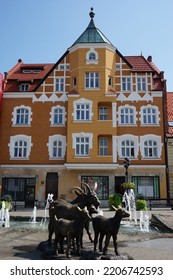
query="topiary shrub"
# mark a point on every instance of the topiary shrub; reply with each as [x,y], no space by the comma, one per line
[141,204]
[115,200]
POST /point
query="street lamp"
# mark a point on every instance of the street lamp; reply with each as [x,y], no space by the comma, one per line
[126,166]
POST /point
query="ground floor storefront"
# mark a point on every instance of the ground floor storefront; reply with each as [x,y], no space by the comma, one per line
[30,185]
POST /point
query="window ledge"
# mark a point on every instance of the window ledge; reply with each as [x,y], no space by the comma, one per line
[17,158]
[21,125]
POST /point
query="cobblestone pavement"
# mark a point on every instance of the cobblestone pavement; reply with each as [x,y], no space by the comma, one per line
[21,243]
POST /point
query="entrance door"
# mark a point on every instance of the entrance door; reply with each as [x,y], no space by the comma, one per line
[118,181]
[29,196]
[52,184]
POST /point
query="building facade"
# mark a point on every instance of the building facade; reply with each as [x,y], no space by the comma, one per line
[169,141]
[78,119]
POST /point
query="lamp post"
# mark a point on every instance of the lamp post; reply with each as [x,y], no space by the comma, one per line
[126,166]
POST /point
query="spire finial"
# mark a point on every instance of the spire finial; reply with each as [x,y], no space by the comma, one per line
[92,14]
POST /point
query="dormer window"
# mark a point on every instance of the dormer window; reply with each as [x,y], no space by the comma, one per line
[92,57]
[24,87]
[31,71]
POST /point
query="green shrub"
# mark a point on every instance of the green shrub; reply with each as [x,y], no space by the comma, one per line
[7,204]
[128,185]
[115,200]
[141,204]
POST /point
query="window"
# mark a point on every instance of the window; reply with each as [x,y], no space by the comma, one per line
[57,115]
[149,116]
[126,84]
[57,146]
[91,57]
[128,148]
[57,149]
[103,146]
[118,66]
[103,113]
[20,147]
[59,85]
[24,87]
[148,186]
[17,187]
[98,183]
[92,80]
[74,81]
[127,115]
[21,115]
[82,146]
[82,112]
[82,143]
[150,148]
[141,84]
[63,67]
[110,81]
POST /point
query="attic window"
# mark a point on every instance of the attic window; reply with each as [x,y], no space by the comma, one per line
[24,87]
[31,71]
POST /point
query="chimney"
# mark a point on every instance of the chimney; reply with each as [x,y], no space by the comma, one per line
[149,58]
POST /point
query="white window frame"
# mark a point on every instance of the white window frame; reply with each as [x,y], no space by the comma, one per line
[127,115]
[149,115]
[23,114]
[77,104]
[14,140]
[90,60]
[131,138]
[155,139]
[52,115]
[50,144]
[85,144]
[126,84]
[141,83]
[103,147]
[92,80]
[59,84]
[24,87]
[103,113]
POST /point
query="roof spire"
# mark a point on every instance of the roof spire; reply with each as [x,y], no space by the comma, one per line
[92,14]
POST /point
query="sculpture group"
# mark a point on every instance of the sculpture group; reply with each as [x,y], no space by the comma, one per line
[68,220]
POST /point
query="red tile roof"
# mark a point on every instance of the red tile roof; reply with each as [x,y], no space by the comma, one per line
[139,63]
[169,99]
[16,76]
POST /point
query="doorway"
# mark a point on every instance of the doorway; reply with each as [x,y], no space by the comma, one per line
[118,181]
[52,184]
[29,196]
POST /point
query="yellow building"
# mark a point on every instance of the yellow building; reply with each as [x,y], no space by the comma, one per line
[78,120]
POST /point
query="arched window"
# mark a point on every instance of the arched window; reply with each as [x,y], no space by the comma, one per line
[149,115]
[20,146]
[127,115]
[92,56]
[22,115]
[150,148]
[57,146]
[127,148]
[57,115]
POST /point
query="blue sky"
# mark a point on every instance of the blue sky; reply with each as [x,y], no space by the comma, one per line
[40,31]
